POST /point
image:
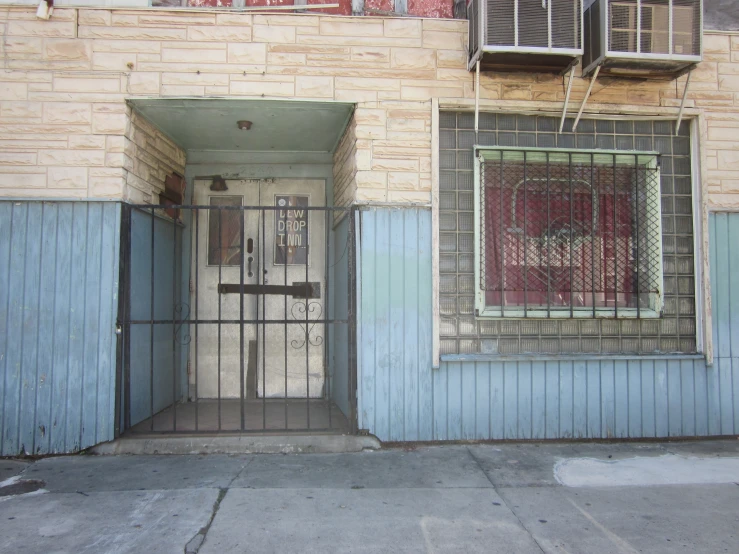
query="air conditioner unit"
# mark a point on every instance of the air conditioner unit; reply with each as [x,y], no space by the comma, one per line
[643,38]
[525,35]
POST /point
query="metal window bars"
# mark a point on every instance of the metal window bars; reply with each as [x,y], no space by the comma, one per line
[568,234]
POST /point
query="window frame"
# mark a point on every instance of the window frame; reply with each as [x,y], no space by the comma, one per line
[484,311]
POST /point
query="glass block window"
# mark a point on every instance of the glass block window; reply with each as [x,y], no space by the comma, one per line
[674,331]
[567,233]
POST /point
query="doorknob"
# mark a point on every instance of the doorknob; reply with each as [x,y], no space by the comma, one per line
[265,277]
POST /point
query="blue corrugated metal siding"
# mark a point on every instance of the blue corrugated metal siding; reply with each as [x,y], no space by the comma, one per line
[58,306]
[394,373]
[165,278]
[724,230]
[402,399]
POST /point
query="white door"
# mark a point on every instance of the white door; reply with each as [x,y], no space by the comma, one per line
[285,246]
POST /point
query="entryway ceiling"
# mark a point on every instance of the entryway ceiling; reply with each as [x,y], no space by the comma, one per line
[277,125]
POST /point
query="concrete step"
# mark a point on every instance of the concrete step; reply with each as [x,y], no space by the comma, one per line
[237,444]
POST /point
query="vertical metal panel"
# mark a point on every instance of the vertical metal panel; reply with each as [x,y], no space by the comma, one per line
[530,398]
[395,319]
[58,305]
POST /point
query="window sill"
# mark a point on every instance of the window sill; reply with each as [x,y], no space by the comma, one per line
[563,357]
[577,313]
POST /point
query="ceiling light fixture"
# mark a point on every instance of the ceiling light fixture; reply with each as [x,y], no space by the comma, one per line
[244,125]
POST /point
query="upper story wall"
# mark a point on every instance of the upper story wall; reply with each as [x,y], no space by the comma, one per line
[63,85]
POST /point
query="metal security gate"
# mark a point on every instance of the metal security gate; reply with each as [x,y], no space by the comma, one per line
[237,313]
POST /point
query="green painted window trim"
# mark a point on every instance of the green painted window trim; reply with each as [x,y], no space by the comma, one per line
[649,159]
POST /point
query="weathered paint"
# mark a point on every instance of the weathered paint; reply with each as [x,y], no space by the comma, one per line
[394,356]
[169,350]
[403,399]
[58,306]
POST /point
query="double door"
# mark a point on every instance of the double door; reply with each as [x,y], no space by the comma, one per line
[258,289]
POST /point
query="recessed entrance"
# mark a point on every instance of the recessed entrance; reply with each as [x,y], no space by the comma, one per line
[239,302]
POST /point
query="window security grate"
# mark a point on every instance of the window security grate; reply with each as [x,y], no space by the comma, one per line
[569,234]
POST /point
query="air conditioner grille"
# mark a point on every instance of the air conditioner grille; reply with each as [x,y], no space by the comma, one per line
[533,24]
[501,29]
[565,24]
[473,17]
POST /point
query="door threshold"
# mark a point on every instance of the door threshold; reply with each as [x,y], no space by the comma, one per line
[237,443]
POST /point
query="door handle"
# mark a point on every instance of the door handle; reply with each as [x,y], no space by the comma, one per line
[248,267]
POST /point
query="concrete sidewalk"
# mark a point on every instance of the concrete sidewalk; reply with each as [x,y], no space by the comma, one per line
[559,498]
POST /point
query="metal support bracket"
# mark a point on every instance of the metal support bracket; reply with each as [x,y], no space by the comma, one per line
[567,95]
[477,98]
[682,104]
[585,100]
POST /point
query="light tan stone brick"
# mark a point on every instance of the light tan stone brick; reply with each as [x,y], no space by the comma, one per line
[86,84]
[247,53]
[395,164]
[94,17]
[370,116]
[455,59]
[369,54]
[37,28]
[68,49]
[23,45]
[402,28]
[220,34]
[263,88]
[105,61]
[412,58]
[107,123]
[132,33]
[314,87]
[143,83]
[79,158]
[20,109]
[444,41]
[403,196]
[67,112]
[13,91]
[67,177]
[360,83]
[193,56]
[351,28]
[371,131]
[371,179]
[125,20]
[87,142]
[18,158]
[21,181]
[140,46]
[212,79]
[274,34]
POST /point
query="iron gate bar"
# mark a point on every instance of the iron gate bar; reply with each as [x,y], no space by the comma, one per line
[299,290]
[241,317]
[196,214]
[151,331]
[230,321]
[174,327]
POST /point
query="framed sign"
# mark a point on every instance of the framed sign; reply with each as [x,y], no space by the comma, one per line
[291,230]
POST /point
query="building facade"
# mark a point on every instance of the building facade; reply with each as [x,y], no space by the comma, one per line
[428,190]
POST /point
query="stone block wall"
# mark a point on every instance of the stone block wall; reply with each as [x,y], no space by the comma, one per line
[64,122]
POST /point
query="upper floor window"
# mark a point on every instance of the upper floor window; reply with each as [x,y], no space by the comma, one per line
[567,234]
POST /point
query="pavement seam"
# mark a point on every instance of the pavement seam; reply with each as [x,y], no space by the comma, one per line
[196,542]
[507,505]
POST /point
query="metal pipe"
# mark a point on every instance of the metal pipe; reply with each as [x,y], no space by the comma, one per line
[477,98]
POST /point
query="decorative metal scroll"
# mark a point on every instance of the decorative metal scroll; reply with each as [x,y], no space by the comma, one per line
[182,313]
[314,311]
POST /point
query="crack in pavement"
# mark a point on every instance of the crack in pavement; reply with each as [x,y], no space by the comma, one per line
[507,505]
[196,542]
